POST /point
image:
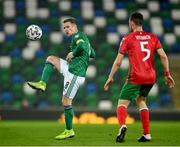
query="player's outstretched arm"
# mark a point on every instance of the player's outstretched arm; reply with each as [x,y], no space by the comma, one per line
[164,60]
[116,65]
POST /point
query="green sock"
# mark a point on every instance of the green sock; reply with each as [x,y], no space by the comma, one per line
[47,72]
[68,113]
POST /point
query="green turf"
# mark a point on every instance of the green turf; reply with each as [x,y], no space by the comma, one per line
[31,133]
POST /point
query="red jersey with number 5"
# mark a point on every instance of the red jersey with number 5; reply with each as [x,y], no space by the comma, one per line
[140,47]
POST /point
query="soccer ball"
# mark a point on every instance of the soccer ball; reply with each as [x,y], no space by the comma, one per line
[33,32]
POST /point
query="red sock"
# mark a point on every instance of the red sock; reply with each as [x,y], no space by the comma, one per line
[121,115]
[144,115]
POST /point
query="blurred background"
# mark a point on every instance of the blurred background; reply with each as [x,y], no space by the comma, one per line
[105,22]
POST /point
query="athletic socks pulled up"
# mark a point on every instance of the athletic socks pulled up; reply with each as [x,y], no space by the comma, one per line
[47,72]
[121,114]
[68,113]
[144,115]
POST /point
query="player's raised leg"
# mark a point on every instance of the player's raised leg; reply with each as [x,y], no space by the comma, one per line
[144,116]
[121,115]
[51,63]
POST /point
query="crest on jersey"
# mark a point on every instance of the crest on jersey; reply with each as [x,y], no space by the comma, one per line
[76,36]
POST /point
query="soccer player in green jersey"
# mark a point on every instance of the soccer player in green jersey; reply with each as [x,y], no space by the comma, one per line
[73,69]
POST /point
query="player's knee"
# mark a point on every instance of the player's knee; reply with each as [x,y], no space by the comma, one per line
[140,100]
[123,102]
[66,101]
[50,59]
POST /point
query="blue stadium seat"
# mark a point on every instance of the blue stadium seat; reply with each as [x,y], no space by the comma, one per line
[165,5]
[91,88]
[15,53]
[20,4]
[7,97]
[120,5]
[21,20]
[99,13]
[17,78]
[165,99]
[76,5]
[45,28]
[111,29]
[175,48]
[10,37]
[40,53]
[168,22]
[54,13]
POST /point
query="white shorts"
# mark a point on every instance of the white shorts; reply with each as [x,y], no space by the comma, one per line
[71,81]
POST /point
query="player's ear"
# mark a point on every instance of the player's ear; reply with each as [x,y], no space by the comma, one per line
[131,23]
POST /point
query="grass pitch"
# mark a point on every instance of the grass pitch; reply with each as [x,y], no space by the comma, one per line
[42,133]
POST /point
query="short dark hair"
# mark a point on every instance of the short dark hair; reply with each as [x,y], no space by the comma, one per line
[137,18]
[70,19]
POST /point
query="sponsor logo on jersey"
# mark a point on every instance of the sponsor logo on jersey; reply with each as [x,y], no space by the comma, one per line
[76,36]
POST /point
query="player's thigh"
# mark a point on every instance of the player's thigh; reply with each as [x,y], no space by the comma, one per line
[141,102]
[129,91]
[64,68]
[145,89]
[143,93]
[71,85]
[55,61]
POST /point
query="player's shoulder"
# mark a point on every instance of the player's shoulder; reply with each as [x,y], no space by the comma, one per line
[151,34]
[78,35]
[81,33]
[126,37]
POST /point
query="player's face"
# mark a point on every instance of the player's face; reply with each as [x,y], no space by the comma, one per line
[69,28]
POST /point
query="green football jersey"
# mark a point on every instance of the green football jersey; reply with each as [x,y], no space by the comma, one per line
[82,51]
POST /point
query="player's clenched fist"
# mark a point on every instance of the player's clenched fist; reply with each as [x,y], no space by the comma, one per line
[69,56]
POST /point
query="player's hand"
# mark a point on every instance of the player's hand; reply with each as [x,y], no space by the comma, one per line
[69,56]
[169,81]
[108,83]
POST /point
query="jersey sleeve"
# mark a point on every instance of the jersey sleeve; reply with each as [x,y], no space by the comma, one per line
[157,44]
[123,45]
[80,44]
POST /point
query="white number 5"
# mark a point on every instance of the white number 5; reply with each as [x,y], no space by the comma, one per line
[143,49]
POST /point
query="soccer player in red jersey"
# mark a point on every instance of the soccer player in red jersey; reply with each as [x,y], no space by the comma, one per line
[140,47]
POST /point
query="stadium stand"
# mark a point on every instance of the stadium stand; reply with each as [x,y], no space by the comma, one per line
[104,21]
